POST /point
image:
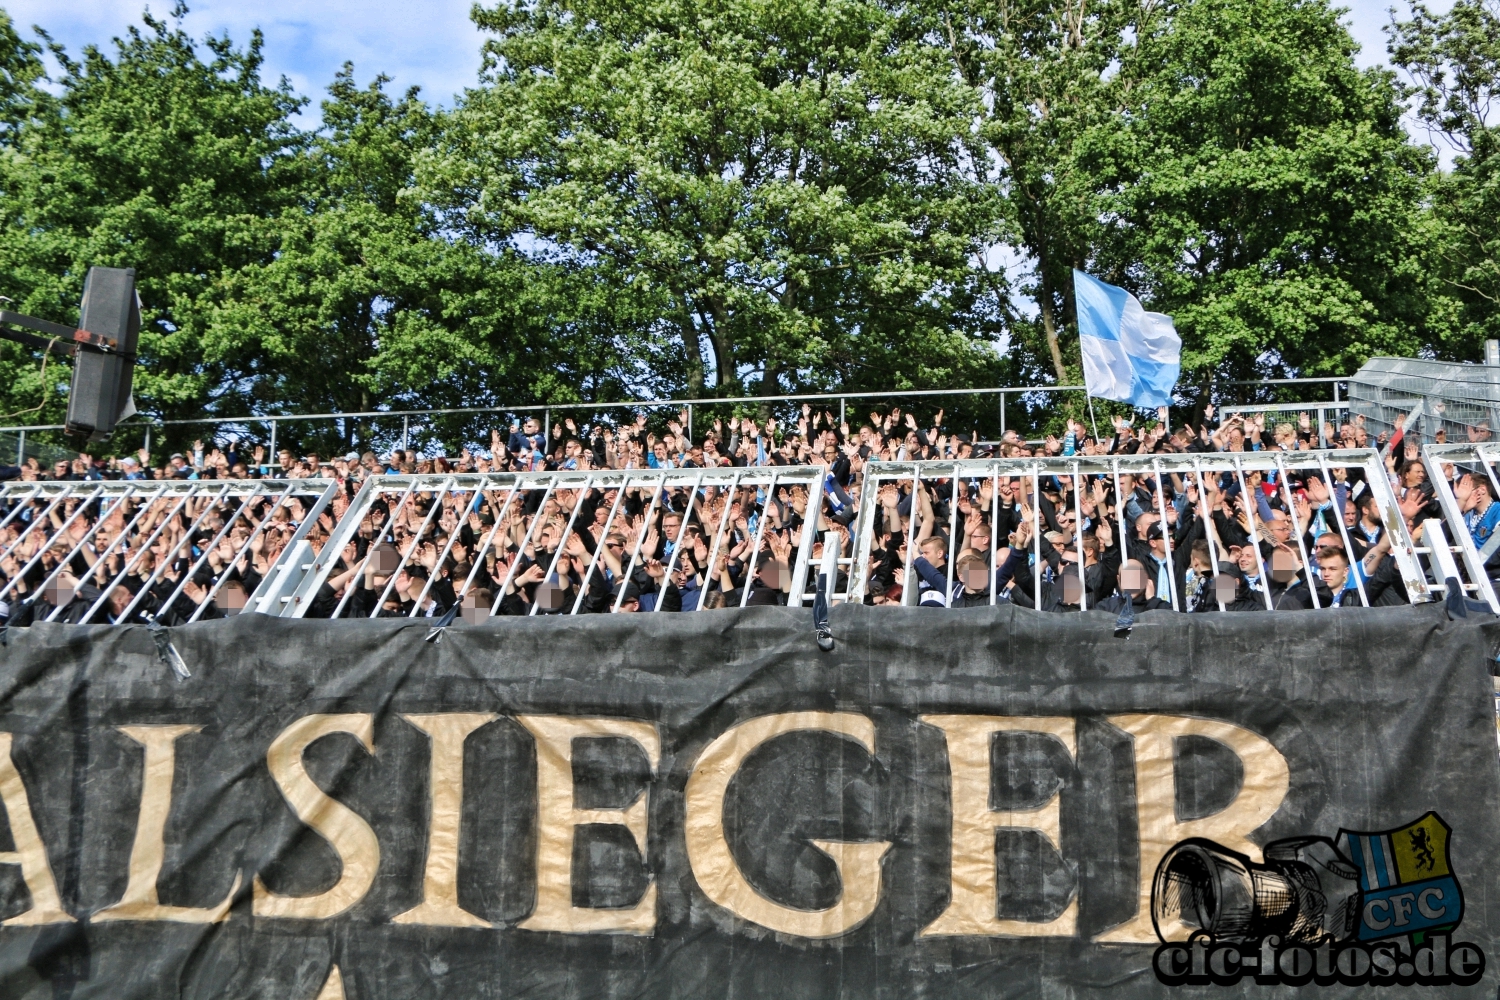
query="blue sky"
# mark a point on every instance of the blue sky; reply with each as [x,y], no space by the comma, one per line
[432,44]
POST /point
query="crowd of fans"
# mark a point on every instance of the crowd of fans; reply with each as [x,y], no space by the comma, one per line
[1133,543]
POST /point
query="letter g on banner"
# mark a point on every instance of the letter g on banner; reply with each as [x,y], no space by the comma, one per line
[708,851]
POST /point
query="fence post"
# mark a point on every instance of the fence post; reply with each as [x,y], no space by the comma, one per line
[1002,416]
[842,419]
[690,424]
[405,433]
[148,441]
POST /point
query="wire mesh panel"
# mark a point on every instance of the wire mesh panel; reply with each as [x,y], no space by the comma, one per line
[1048,531]
[561,543]
[173,551]
[1465,484]
[1461,400]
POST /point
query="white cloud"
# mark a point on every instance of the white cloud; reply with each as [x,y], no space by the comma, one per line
[433,45]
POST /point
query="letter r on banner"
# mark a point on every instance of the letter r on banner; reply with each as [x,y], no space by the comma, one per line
[1264,788]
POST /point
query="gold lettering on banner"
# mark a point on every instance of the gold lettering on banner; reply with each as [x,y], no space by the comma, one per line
[558,821]
[713,863]
[1264,789]
[333,986]
[140,901]
[439,906]
[30,852]
[974,894]
[344,829]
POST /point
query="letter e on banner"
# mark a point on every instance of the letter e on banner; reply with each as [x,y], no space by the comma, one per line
[974,900]
[1264,788]
[558,822]
[708,851]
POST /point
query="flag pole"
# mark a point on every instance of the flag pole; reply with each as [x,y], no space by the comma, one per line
[1092,421]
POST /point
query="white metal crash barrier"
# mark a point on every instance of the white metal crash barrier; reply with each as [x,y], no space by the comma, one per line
[1464,482]
[1164,477]
[168,550]
[738,516]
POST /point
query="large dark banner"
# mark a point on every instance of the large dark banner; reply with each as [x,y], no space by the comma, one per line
[976,803]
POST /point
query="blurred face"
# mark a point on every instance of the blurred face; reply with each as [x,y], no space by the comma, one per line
[1133,579]
[1283,566]
[773,574]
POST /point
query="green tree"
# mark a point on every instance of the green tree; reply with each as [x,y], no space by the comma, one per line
[1046,72]
[1454,60]
[774,195]
[369,304]
[160,160]
[1262,191]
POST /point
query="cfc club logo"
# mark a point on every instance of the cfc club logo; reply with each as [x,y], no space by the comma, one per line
[1364,908]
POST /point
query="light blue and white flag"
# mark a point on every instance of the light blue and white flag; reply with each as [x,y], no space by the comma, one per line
[1129,355]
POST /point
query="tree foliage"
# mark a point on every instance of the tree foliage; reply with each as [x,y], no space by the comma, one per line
[734,197]
[1454,62]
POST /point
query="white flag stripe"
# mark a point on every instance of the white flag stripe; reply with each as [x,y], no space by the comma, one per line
[1106,368]
[1149,335]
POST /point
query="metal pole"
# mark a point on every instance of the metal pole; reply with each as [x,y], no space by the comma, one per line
[21,449]
[1002,416]
[690,424]
[271,456]
[148,440]
[842,419]
[405,433]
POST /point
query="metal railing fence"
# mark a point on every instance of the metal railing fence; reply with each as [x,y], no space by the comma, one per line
[1446,466]
[1421,579]
[118,548]
[272,422]
[411,521]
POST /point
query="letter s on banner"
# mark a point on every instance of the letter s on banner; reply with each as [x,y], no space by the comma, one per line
[1264,788]
[713,863]
[344,829]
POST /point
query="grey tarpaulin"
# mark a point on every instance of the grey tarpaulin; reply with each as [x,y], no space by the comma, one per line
[1380,716]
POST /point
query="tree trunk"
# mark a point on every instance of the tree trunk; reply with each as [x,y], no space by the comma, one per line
[1049,324]
[694,353]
